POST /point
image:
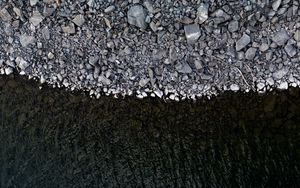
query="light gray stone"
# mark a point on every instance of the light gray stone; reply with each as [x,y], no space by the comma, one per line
[137,16]
[5,16]
[297,35]
[79,20]
[33,2]
[264,47]
[276,4]
[202,12]
[234,87]
[192,33]
[250,53]
[281,37]
[36,18]
[183,68]
[280,73]
[290,50]
[233,26]
[25,40]
[242,42]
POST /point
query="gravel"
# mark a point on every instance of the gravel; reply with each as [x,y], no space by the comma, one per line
[171,49]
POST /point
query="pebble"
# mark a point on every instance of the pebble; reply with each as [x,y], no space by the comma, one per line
[250,53]
[192,33]
[36,18]
[25,40]
[202,12]
[234,87]
[109,9]
[79,20]
[5,15]
[137,16]
[233,26]
[283,86]
[242,42]
[264,47]
[276,4]
[33,2]
[297,35]
[290,50]
[183,68]
[281,37]
[280,73]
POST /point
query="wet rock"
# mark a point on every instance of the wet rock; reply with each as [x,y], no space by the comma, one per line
[183,68]
[290,50]
[281,37]
[36,18]
[192,33]
[202,12]
[242,42]
[79,20]
[250,53]
[137,16]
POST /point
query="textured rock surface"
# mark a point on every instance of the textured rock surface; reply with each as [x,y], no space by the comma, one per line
[192,48]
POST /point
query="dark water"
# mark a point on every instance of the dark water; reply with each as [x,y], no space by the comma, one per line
[50,138]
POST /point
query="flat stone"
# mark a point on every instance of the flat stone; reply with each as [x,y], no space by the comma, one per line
[25,40]
[79,20]
[250,53]
[280,73]
[202,12]
[281,37]
[36,18]
[290,50]
[233,26]
[184,68]
[137,16]
[242,42]
[192,33]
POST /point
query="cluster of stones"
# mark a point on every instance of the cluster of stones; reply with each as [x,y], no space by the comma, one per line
[170,49]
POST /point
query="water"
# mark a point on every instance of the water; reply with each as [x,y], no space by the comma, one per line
[52,138]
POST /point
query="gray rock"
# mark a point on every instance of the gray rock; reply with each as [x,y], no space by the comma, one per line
[250,53]
[8,70]
[70,29]
[276,4]
[281,37]
[25,40]
[46,33]
[290,50]
[233,26]
[183,68]
[297,35]
[234,87]
[109,9]
[104,80]
[283,86]
[22,64]
[79,20]
[33,2]
[149,5]
[137,16]
[192,33]
[280,73]
[202,12]
[198,64]
[242,42]
[5,16]
[264,47]
[36,18]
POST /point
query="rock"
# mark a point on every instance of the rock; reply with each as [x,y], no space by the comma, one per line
[109,9]
[276,4]
[70,29]
[33,2]
[290,50]
[198,64]
[25,40]
[242,42]
[79,20]
[153,26]
[36,18]
[46,33]
[260,86]
[50,55]
[137,16]
[184,68]
[297,35]
[8,70]
[233,26]
[264,47]
[149,5]
[104,80]
[202,12]
[270,81]
[280,73]
[281,37]
[283,86]
[5,16]
[250,53]
[22,64]
[192,33]
[234,87]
